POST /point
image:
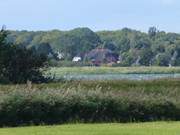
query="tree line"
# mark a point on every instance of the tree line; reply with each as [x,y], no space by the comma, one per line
[134,48]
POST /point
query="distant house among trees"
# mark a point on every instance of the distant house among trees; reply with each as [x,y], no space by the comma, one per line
[101,56]
[77,59]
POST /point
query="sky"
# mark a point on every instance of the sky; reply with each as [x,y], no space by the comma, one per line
[95,14]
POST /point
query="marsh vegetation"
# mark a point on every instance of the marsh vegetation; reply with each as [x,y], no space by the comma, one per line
[90,101]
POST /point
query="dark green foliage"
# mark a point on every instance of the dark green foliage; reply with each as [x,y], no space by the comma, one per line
[72,43]
[90,101]
[162,59]
[134,47]
[146,56]
[110,46]
[141,49]
[152,32]
[54,63]
[43,48]
[17,64]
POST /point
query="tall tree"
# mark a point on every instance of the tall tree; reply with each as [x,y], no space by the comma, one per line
[152,32]
[17,64]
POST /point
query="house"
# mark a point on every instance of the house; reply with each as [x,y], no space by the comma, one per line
[101,56]
[77,59]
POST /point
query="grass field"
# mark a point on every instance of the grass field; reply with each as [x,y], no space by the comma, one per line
[113,70]
[157,128]
[161,85]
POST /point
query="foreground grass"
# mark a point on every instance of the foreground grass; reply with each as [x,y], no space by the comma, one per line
[160,85]
[113,70]
[157,128]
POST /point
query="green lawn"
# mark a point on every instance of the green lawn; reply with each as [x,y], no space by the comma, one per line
[112,70]
[157,128]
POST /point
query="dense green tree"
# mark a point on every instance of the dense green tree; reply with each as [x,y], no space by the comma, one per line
[18,64]
[146,55]
[131,45]
[152,32]
[162,59]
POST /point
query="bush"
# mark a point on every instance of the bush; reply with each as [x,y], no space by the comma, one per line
[50,106]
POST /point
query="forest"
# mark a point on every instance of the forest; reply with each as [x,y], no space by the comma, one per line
[134,48]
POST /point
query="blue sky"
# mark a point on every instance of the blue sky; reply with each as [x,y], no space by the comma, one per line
[95,14]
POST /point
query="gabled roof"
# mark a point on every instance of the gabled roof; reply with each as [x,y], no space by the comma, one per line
[101,54]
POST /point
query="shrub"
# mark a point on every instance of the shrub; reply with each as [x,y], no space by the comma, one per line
[50,106]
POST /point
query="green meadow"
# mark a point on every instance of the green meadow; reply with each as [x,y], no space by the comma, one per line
[113,70]
[157,128]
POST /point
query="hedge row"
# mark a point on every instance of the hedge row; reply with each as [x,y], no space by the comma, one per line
[25,107]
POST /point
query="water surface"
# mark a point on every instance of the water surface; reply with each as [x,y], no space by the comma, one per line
[117,76]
